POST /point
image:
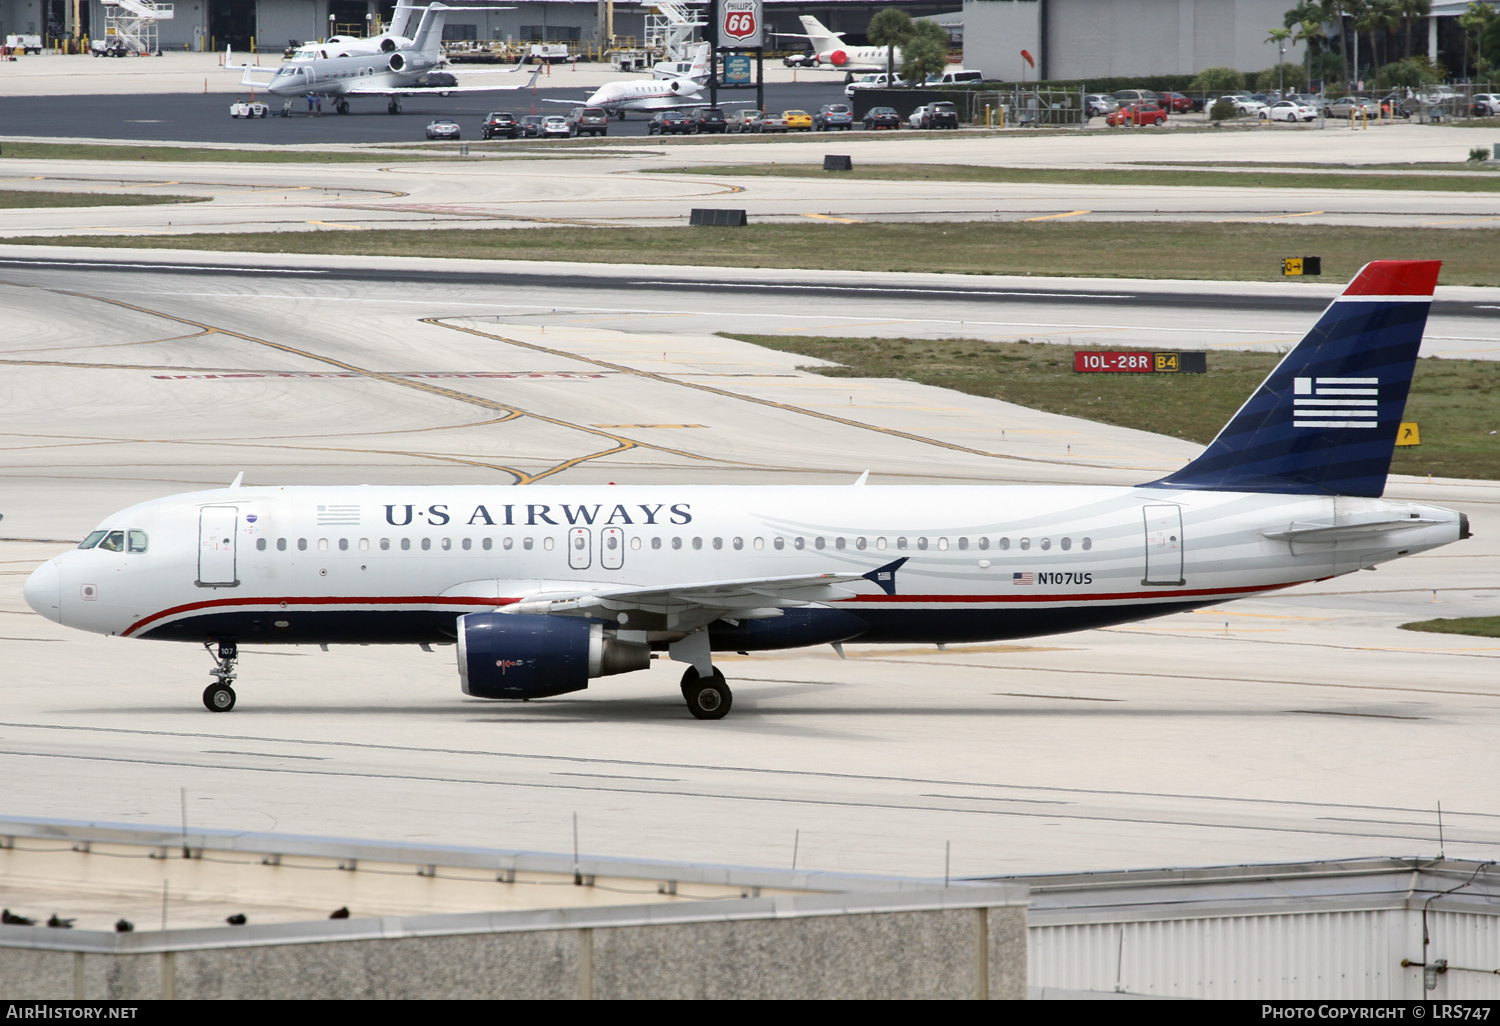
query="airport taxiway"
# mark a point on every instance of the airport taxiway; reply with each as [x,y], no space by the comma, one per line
[1293,726]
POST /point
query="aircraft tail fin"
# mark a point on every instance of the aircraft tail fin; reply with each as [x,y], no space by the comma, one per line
[819,36]
[428,39]
[1325,421]
[699,71]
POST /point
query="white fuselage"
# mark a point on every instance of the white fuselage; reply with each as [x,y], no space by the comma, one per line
[858,58]
[375,564]
[338,76]
[658,94]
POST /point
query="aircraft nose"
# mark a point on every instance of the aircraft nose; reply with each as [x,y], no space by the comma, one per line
[43,591]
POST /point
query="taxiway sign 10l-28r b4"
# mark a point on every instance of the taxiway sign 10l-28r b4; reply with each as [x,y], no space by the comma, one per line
[543,589]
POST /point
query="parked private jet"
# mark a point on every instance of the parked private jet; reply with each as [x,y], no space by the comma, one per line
[833,52]
[393,69]
[542,589]
[671,93]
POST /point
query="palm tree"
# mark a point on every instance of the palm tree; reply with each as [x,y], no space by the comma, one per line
[1307,32]
[926,54]
[890,28]
[1334,11]
[1410,11]
[1279,36]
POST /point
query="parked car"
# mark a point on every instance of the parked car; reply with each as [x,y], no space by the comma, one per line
[800,60]
[1485,105]
[1288,110]
[442,129]
[882,117]
[1176,103]
[589,121]
[747,120]
[555,126]
[1138,114]
[954,76]
[1098,105]
[797,120]
[937,115]
[1351,107]
[771,121]
[436,80]
[1126,96]
[670,122]
[1246,104]
[250,110]
[531,125]
[833,115]
[500,122]
[710,119]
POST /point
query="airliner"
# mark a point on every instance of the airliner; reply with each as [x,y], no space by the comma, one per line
[544,589]
[392,71]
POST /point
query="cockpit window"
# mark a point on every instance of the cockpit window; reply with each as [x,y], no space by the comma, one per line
[136,541]
[114,541]
[92,540]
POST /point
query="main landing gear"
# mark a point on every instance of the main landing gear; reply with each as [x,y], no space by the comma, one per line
[394,107]
[342,106]
[708,698]
[219,696]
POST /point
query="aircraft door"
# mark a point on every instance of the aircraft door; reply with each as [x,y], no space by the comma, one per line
[611,548]
[1163,545]
[580,548]
[217,531]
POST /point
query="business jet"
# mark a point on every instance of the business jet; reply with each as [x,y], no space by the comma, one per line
[833,52]
[674,93]
[543,589]
[393,71]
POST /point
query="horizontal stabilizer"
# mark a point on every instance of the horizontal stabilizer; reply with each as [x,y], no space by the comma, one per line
[1325,421]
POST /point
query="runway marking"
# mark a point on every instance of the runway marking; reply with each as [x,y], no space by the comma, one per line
[1052,217]
[639,426]
[335,224]
[1466,220]
[830,217]
[1271,217]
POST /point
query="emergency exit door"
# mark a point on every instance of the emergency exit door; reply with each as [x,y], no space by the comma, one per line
[217,531]
[1163,545]
[580,548]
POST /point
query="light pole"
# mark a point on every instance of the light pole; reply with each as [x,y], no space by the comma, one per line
[369,25]
[330,26]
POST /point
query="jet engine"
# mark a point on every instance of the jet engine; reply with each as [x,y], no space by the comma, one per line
[676,87]
[387,45]
[837,58]
[519,655]
[397,62]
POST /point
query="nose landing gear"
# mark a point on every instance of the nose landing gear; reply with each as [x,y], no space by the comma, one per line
[219,696]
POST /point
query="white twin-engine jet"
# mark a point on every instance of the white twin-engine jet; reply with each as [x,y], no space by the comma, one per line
[834,53]
[657,94]
[544,588]
[389,65]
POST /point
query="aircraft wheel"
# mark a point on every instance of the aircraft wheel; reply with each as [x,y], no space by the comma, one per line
[343,107]
[707,698]
[219,697]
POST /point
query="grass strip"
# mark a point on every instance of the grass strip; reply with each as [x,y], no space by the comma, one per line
[1474,626]
[191,154]
[1406,181]
[15,199]
[1095,249]
[1452,400]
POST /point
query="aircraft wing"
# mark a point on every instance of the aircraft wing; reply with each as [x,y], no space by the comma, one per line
[441,90]
[691,605]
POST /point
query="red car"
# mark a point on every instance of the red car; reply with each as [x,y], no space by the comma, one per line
[1138,114]
[1176,103]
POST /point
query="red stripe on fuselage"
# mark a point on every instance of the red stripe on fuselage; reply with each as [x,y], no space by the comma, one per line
[1024,595]
[328,600]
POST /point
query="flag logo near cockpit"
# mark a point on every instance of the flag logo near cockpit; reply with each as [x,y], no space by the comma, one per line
[1335,402]
[1022,578]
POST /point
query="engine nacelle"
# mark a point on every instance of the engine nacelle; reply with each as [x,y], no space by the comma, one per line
[518,655]
[838,58]
[794,628]
[397,62]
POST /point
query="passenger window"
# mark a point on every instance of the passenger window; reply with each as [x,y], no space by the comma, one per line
[302,545]
[1088,543]
[760,543]
[547,544]
[718,543]
[798,543]
[838,543]
[859,543]
[1067,543]
[921,543]
[93,539]
[507,543]
[526,543]
[901,543]
[984,543]
[656,543]
[280,544]
[1025,544]
[780,543]
[137,541]
[739,543]
[405,544]
[1046,544]
[880,542]
[385,544]
[260,544]
[447,544]
[426,544]
[1004,544]
[942,543]
[343,544]
[676,543]
[114,541]
[963,543]
[579,543]
[818,542]
[635,542]
[487,544]
[468,544]
[322,544]
[364,545]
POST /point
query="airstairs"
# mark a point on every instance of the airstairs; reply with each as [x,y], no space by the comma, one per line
[670,29]
[131,24]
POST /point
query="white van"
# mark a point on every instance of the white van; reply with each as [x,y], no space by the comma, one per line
[955,76]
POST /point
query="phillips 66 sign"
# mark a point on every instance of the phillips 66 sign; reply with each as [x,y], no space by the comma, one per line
[740,23]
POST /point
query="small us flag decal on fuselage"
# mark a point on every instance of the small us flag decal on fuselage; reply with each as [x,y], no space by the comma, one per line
[1020,578]
[1335,402]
